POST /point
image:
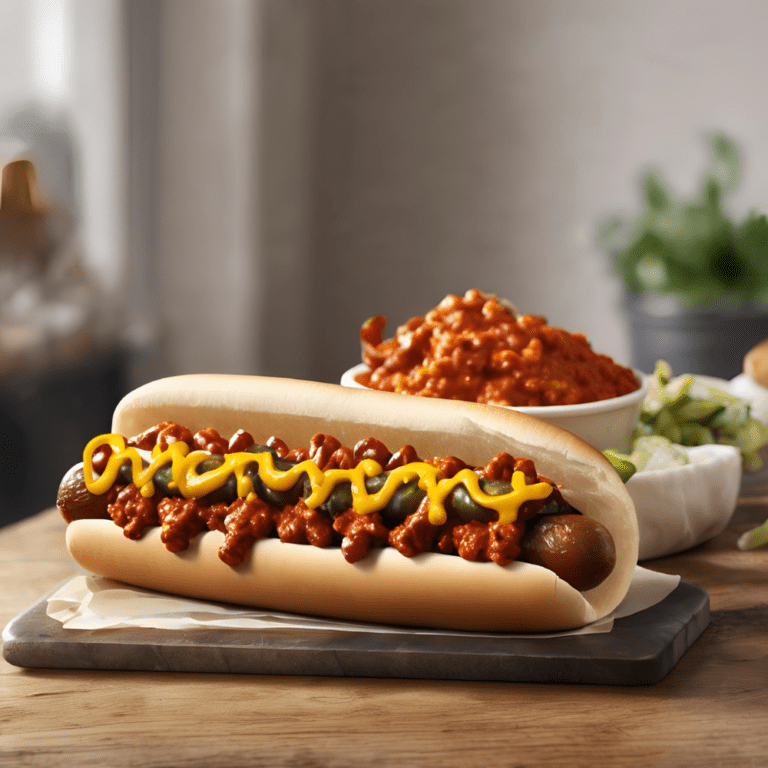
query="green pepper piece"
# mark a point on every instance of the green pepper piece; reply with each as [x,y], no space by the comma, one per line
[339,501]
[163,481]
[405,501]
[754,538]
[695,434]
[461,503]
[125,473]
[699,411]
[667,427]
[224,494]
[214,461]
[621,463]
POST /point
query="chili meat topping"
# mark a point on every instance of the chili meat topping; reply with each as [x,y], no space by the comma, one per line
[477,348]
[294,506]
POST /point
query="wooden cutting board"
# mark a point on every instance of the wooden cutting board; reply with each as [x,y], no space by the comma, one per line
[640,650]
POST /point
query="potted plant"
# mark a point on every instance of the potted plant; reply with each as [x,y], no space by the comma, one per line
[695,276]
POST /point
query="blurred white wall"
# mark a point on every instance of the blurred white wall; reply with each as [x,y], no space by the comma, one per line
[291,167]
[475,144]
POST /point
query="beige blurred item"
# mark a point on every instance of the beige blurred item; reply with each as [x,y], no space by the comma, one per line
[26,239]
[19,189]
[47,297]
[20,198]
[10,154]
[756,363]
[20,346]
[22,213]
[752,384]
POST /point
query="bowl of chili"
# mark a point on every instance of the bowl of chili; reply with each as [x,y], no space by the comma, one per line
[603,423]
[481,349]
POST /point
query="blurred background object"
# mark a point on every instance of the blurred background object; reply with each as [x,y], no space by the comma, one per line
[63,359]
[696,277]
[248,180]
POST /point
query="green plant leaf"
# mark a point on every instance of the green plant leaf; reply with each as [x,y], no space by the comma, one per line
[726,162]
[657,196]
[713,193]
[692,249]
[751,238]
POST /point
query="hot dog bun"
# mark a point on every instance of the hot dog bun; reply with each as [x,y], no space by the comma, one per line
[431,590]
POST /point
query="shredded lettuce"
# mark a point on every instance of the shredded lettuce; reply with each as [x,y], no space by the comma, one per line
[683,411]
[687,411]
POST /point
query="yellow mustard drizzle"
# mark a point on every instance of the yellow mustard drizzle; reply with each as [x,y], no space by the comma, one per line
[192,484]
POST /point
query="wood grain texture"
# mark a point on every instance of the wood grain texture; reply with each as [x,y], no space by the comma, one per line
[709,711]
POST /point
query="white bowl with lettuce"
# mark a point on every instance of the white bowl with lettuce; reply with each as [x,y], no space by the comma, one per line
[684,470]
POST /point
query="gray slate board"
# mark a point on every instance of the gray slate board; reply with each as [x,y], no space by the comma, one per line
[640,650]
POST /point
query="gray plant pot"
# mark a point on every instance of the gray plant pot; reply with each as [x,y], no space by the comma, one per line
[711,341]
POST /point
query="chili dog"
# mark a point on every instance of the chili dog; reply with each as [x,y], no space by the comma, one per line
[285,495]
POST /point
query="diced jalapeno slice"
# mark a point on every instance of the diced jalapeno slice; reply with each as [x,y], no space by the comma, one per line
[225,494]
[405,501]
[163,482]
[460,503]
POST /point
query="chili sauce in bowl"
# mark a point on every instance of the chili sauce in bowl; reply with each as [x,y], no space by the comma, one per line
[479,348]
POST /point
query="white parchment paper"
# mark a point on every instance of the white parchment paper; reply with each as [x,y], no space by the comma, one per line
[89,602]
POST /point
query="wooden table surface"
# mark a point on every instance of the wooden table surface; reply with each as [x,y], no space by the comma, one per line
[711,710]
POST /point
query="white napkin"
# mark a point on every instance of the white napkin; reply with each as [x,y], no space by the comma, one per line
[93,602]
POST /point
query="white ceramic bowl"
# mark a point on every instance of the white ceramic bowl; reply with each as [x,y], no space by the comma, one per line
[603,424]
[681,507]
